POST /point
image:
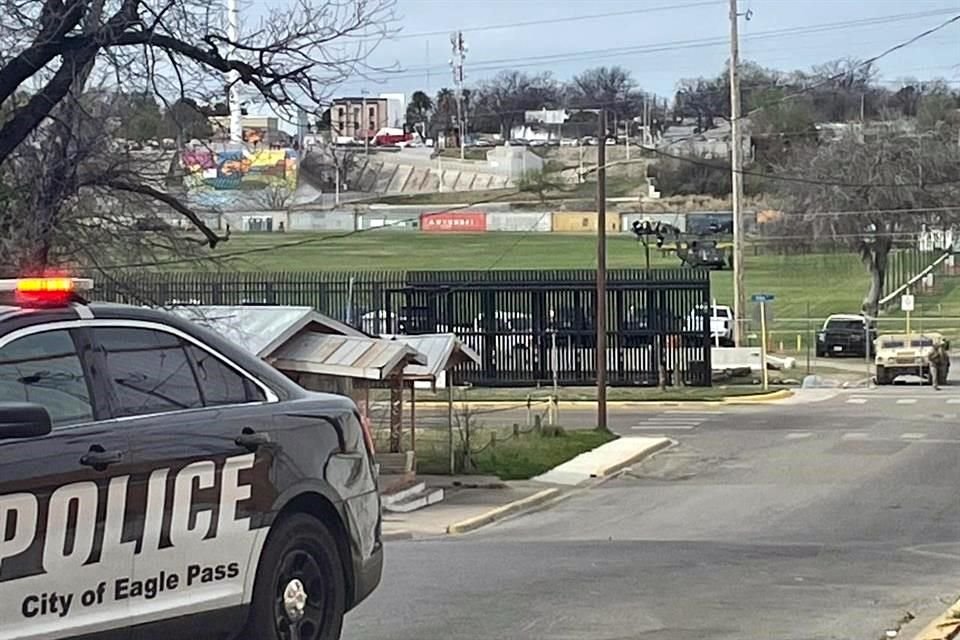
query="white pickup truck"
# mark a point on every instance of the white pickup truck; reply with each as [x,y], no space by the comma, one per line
[721,324]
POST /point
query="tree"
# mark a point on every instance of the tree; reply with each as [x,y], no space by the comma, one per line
[612,88]
[418,112]
[540,182]
[141,119]
[892,184]
[72,54]
[419,108]
[509,94]
[702,99]
[185,119]
[444,112]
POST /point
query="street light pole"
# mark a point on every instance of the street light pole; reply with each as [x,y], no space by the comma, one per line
[236,117]
[739,293]
[363,122]
[601,309]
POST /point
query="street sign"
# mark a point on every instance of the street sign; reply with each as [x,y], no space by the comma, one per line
[906,302]
[762,297]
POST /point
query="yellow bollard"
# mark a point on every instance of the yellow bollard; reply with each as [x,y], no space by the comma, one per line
[799,343]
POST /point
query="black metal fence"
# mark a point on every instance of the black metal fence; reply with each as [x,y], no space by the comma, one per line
[528,327]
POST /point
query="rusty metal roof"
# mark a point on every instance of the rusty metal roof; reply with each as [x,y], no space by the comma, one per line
[345,356]
[442,350]
[262,329]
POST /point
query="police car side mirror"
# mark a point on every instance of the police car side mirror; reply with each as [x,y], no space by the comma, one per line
[23,420]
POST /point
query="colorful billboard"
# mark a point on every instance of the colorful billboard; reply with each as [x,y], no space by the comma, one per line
[239,170]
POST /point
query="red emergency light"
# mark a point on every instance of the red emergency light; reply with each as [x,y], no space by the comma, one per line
[56,291]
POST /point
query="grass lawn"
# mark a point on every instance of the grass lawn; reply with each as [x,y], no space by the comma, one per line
[510,458]
[818,284]
[515,395]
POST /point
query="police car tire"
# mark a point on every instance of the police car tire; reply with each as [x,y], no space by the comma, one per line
[295,534]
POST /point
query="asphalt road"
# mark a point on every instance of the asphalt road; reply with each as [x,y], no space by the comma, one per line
[802,521]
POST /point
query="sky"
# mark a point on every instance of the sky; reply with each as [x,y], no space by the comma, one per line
[660,41]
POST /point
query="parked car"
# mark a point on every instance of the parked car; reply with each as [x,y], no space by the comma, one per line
[845,334]
[574,327]
[900,354]
[588,141]
[568,142]
[165,483]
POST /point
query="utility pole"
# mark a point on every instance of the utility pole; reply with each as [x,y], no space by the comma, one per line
[739,294]
[456,63]
[233,33]
[601,321]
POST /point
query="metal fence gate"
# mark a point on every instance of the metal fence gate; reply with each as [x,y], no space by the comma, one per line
[529,327]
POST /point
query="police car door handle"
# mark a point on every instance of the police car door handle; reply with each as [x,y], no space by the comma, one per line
[100,459]
[250,439]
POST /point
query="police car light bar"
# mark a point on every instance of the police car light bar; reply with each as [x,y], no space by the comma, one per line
[52,291]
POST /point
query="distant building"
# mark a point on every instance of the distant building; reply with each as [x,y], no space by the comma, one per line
[359,117]
[683,138]
[260,130]
[541,124]
[396,109]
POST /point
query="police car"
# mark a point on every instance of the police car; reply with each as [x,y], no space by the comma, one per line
[156,481]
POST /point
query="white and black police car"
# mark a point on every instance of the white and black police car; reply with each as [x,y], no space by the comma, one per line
[157,481]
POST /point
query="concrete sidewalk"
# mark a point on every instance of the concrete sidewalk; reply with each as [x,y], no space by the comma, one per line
[465,509]
[471,502]
[603,461]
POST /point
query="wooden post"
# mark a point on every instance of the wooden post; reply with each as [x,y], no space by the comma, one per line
[396,414]
[453,464]
[413,418]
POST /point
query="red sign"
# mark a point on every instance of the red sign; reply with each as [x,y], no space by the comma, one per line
[454,222]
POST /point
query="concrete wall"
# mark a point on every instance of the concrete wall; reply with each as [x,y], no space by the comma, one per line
[520,221]
[321,221]
[396,220]
[582,221]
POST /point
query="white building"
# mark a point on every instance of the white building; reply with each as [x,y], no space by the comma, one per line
[396,109]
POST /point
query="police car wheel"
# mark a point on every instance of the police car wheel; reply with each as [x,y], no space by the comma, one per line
[300,592]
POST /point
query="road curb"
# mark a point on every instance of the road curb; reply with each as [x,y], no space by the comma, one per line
[634,459]
[946,626]
[399,534]
[498,513]
[760,397]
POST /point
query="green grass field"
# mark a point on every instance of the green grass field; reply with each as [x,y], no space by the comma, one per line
[828,283]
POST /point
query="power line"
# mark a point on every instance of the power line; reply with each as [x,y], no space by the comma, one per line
[528,61]
[861,65]
[580,18]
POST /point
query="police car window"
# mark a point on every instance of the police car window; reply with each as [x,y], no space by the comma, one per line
[44,368]
[148,370]
[219,383]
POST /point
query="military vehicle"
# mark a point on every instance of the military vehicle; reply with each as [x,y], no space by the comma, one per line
[703,254]
[900,354]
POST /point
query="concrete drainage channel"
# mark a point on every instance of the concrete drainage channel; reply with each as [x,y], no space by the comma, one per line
[412,498]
